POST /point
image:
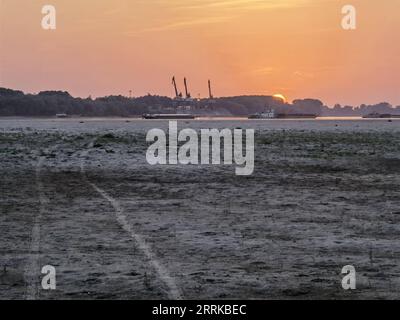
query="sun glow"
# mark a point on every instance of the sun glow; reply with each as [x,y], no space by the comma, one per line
[245,47]
[280,97]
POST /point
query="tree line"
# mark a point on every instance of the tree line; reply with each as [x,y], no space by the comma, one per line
[50,103]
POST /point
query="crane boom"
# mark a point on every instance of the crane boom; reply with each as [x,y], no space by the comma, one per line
[186,89]
[175,87]
[209,90]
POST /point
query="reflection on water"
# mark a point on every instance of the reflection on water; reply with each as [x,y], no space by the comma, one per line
[202,118]
[77,125]
[340,118]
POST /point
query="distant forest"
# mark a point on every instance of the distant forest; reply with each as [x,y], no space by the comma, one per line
[50,103]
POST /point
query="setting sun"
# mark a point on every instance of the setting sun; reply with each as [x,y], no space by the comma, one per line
[280,97]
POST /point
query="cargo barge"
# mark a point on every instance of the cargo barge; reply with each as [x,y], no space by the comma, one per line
[168,116]
[381,116]
[272,115]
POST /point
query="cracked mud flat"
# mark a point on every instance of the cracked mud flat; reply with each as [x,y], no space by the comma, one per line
[324,194]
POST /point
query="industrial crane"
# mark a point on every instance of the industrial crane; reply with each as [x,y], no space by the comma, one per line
[177,94]
[186,89]
[209,90]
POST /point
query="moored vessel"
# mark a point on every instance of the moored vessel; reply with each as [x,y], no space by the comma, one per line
[270,114]
[168,116]
[376,115]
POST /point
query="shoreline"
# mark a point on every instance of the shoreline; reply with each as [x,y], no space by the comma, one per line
[200,118]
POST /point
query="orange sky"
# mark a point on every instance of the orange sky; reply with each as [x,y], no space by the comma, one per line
[293,47]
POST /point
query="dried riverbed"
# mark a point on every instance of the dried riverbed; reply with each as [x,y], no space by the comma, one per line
[86,202]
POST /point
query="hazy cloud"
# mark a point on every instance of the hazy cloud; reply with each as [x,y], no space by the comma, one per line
[181,24]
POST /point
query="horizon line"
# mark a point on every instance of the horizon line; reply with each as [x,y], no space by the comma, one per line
[222,97]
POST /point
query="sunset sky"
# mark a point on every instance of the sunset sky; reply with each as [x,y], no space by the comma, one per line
[292,47]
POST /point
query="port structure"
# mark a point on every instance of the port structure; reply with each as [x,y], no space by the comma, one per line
[187,103]
[178,95]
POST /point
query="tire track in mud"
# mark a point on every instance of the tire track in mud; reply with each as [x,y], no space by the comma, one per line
[161,271]
[32,270]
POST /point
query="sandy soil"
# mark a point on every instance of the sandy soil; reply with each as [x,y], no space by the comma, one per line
[81,197]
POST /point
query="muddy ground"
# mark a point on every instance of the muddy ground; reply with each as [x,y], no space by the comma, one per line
[114,227]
